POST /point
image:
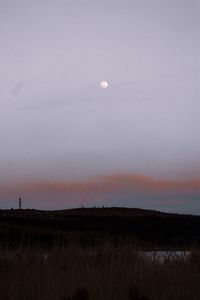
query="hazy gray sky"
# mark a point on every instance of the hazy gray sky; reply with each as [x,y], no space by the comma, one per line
[58,124]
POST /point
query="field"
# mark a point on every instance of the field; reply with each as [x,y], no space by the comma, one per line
[97,254]
[97,273]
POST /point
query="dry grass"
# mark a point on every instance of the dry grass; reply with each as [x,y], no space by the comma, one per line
[100,273]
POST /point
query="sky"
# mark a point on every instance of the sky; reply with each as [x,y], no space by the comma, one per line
[64,140]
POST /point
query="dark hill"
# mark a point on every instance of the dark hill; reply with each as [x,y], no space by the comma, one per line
[94,211]
[96,225]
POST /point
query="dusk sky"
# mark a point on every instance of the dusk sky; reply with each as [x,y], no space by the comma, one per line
[65,140]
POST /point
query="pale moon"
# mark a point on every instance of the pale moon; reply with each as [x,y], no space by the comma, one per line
[104,84]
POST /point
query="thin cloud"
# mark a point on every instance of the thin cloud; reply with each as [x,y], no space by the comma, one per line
[109,183]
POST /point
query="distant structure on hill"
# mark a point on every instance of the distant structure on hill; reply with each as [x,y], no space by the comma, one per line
[20,203]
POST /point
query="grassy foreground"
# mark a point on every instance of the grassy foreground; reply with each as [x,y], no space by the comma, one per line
[96,273]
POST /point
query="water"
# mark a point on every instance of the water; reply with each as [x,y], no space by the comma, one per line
[163,256]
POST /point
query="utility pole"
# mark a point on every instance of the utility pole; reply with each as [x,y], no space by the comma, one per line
[20,203]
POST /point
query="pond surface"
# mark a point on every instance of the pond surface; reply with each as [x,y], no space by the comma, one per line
[162,256]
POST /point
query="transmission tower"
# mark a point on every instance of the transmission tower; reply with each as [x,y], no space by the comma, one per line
[20,203]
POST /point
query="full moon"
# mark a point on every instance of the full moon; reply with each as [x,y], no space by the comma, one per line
[104,84]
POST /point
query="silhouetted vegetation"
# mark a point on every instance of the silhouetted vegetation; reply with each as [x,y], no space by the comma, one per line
[89,227]
[75,273]
[95,254]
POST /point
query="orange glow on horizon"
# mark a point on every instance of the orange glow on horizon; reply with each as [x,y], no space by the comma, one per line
[108,183]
